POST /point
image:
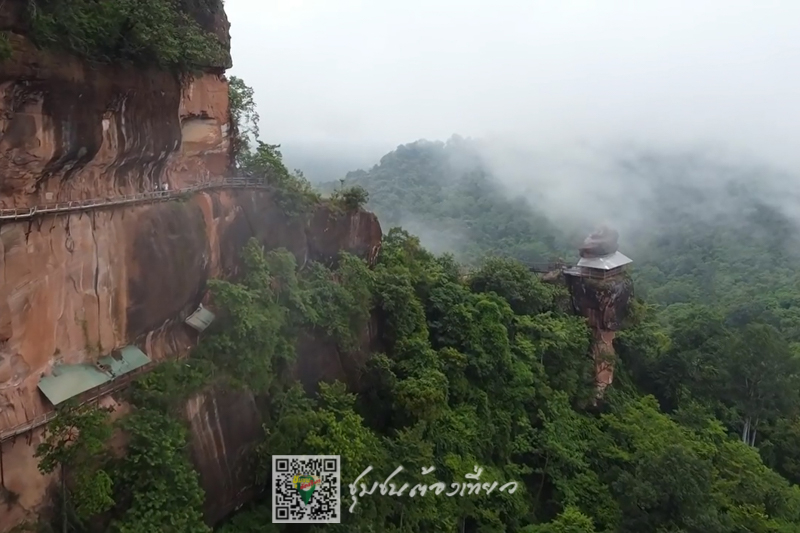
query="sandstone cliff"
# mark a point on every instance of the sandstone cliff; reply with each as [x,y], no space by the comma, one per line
[78,285]
[605,304]
[73,130]
[75,287]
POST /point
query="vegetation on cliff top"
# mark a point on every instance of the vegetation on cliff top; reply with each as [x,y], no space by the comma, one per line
[480,371]
[722,310]
[153,486]
[255,158]
[697,435]
[145,32]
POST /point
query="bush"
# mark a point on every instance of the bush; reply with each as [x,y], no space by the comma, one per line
[351,198]
[152,32]
[293,192]
[5,46]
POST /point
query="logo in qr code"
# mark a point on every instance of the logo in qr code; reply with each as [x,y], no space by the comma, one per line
[306,489]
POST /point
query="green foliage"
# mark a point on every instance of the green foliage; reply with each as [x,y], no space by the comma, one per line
[294,192]
[340,301]
[526,294]
[171,382]
[572,520]
[5,46]
[149,32]
[75,435]
[257,329]
[484,369]
[95,493]
[156,479]
[458,388]
[75,441]
[244,117]
[350,198]
[156,486]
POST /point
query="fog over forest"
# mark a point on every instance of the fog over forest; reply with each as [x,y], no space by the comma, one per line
[569,99]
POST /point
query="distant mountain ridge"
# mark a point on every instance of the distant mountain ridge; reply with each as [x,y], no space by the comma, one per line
[698,229]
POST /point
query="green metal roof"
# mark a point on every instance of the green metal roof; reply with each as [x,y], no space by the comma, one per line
[68,381]
[200,319]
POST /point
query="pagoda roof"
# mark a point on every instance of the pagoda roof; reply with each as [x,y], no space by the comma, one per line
[605,262]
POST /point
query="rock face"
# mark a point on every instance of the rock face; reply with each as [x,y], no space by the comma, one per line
[70,130]
[332,231]
[601,242]
[605,304]
[76,286]
[225,426]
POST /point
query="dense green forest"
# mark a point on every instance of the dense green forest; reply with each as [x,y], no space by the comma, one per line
[148,33]
[698,434]
[706,234]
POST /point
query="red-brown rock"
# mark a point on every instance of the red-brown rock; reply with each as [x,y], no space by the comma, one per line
[80,285]
[602,242]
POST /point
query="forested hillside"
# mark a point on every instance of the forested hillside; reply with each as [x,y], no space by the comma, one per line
[705,232]
[470,379]
[698,434]
[440,191]
[716,268]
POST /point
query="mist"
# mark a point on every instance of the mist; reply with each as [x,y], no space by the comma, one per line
[566,98]
[622,185]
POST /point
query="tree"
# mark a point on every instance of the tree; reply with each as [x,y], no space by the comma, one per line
[156,478]
[73,442]
[572,520]
[244,117]
[763,383]
[350,198]
[163,35]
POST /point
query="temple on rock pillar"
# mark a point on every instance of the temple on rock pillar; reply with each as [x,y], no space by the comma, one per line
[601,291]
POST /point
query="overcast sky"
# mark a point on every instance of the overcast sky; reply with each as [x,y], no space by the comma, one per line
[369,75]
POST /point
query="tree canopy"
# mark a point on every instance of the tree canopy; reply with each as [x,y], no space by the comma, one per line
[486,367]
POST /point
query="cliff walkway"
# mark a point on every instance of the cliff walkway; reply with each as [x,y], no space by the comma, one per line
[544,268]
[27,213]
[90,396]
[15,214]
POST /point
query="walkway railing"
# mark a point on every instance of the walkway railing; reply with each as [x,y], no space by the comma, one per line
[138,198]
[30,425]
[98,203]
[89,396]
[546,267]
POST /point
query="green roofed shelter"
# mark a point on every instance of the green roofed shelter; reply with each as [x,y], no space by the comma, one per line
[68,381]
[200,319]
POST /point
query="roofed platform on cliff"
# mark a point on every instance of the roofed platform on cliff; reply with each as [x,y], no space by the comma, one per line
[600,256]
[69,381]
[200,319]
[604,266]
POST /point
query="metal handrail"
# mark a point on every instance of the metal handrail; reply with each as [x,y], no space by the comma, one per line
[58,207]
[546,267]
[17,213]
[25,427]
[94,394]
